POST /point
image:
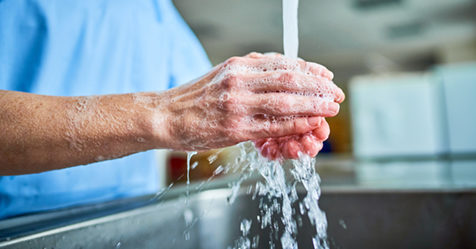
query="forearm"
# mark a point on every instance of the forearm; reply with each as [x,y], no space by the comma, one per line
[39,133]
[274,97]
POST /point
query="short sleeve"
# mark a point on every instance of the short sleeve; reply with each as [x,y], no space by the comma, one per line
[188,59]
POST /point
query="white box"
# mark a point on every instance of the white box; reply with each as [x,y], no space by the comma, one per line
[459,92]
[395,115]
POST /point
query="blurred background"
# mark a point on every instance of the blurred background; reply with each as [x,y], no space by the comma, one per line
[399,168]
[408,68]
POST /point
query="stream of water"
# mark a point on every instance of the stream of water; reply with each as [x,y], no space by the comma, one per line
[277,193]
[278,197]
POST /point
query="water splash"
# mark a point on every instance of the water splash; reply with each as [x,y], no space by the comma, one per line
[278,196]
[188,217]
[189,157]
[244,242]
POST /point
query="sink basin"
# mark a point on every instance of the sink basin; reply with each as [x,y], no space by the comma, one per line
[356,219]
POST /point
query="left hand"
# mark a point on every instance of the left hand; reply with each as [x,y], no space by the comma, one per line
[289,147]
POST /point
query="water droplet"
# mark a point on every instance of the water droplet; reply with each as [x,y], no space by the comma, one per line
[245,226]
[218,170]
[342,224]
[188,216]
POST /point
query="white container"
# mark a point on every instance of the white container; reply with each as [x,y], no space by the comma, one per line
[396,116]
[459,92]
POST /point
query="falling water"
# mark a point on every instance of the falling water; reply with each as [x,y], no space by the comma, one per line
[188,215]
[277,196]
[189,157]
[276,193]
[290,28]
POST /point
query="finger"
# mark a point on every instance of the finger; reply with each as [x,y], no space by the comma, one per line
[310,145]
[276,62]
[273,54]
[322,133]
[270,149]
[293,82]
[262,77]
[338,94]
[268,128]
[284,104]
[318,70]
[291,149]
[273,62]
[259,142]
[254,55]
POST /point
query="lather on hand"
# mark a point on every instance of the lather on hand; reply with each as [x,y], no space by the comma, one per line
[279,103]
[311,142]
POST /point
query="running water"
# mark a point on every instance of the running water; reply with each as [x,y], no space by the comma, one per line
[189,157]
[277,194]
[290,28]
[188,215]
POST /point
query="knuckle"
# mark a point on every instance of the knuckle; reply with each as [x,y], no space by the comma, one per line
[288,77]
[230,104]
[300,127]
[230,82]
[273,129]
[254,55]
[233,60]
[295,125]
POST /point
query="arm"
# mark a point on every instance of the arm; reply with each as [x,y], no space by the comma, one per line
[244,98]
[39,133]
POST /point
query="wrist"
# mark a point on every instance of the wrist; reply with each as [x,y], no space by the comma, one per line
[156,118]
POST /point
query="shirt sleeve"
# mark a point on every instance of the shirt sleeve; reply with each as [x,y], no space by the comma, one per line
[188,59]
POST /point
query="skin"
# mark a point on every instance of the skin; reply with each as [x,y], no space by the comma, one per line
[311,142]
[40,133]
[290,147]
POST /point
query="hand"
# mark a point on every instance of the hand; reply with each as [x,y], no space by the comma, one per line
[248,98]
[290,147]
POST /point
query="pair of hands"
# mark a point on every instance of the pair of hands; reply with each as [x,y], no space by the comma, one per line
[277,102]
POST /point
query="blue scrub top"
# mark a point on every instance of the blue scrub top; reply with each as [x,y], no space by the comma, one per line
[91,47]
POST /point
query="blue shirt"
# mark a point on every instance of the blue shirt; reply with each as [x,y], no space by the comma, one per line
[91,47]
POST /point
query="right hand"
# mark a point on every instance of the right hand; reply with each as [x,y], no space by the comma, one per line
[249,98]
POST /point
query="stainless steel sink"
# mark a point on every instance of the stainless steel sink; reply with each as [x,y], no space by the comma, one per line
[357,219]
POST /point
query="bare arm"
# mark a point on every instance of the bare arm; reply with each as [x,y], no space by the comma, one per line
[39,133]
[244,98]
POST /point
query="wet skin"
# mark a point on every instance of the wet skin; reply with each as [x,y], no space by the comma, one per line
[277,102]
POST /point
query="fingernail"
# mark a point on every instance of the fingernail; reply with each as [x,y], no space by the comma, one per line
[333,108]
[340,96]
[314,121]
[328,74]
